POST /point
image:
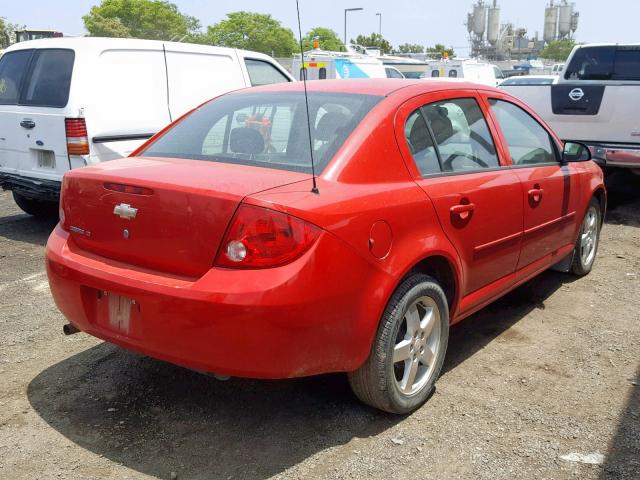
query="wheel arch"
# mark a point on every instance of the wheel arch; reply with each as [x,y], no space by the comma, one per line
[601,195]
[445,271]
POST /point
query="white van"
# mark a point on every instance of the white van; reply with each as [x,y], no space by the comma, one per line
[324,64]
[469,70]
[70,102]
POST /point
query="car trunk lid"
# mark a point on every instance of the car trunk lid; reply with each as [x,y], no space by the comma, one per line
[163,214]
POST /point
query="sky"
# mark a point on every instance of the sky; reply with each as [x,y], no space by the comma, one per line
[425,22]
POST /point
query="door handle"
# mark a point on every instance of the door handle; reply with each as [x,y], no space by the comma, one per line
[535,194]
[29,124]
[463,211]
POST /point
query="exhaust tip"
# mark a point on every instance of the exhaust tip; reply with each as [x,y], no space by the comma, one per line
[69,329]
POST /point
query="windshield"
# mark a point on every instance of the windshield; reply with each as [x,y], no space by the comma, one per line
[266,129]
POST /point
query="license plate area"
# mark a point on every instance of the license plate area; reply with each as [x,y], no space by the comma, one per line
[113,312]
[45,158]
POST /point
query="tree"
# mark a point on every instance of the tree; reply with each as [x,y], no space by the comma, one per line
[558,50]
[251,31]
[374,40]
[438,50]
[327,38]
[6,31]
[152,19]
[410,48]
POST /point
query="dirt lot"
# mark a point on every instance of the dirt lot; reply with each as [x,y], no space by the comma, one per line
[551,369]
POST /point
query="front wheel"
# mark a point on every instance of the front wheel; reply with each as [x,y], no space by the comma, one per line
[584,253]
[409,348]
[37,208]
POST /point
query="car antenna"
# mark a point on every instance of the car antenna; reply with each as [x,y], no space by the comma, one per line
[314,189]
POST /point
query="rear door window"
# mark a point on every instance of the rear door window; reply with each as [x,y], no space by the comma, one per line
[263,73]
[49,78]
[13,66]
[461,135]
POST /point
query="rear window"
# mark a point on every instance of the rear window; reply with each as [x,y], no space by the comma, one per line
[49,78]
[36,77]
[263,73]
[604,63]
[13,66]
[266,129]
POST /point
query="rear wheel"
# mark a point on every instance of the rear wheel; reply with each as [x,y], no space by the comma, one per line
[409,348]
[584,253]
[37,208]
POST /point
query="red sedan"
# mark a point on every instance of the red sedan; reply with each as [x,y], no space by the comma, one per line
[211,248]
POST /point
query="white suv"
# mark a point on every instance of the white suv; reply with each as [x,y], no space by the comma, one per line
[70,102]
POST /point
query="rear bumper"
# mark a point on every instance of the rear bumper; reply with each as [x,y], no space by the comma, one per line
[616,155]
[31,187]
[309,317]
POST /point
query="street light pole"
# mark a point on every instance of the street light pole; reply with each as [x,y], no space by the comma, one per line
[380,24]
[345,21]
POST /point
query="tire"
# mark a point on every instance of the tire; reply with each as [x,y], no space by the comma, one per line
[385,385]
[584,252]
[37,208]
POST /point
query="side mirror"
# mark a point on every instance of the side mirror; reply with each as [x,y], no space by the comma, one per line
[575,152]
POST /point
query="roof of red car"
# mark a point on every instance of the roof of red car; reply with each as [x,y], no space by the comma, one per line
[370,86]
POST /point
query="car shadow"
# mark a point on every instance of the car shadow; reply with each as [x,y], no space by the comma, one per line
[623,458]
[25,228]
[476,332]
[157,418]
[623,192]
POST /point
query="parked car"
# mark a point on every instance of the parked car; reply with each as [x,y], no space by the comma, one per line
[528,80]
[211,248]
[596,101]
[469,70]
[393,72]
[70,102]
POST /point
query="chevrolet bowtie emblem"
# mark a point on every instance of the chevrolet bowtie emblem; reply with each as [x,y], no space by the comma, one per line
[126,211]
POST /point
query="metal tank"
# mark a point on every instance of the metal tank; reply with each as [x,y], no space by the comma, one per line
[574,22]
[550,22]
[493,25]
[564,19]
[479,18]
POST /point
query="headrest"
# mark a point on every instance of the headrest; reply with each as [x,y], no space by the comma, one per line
[329,124]
[246,140]
[440,124]
[419,137]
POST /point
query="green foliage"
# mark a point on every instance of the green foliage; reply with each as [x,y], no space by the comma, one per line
[151,19]
[328,39]
[438,50]
[410,48]
[251,31]
[558,50]
[374,40]
[6,29]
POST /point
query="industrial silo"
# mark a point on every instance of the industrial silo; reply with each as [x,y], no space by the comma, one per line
[564,19]
[493,26]
[550,22]
[479,18]
[574,22]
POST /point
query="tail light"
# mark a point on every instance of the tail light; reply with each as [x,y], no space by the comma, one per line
[77,137]
[263,238]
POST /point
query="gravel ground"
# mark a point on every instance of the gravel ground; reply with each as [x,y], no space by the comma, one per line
[552,369]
